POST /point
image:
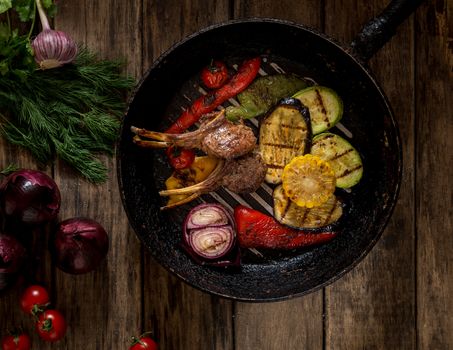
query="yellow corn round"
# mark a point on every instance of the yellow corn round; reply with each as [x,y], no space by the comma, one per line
[308,181]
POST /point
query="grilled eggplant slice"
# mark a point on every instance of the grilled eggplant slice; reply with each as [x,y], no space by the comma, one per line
[290,214]
[284,134]
[342,157]
[326,107]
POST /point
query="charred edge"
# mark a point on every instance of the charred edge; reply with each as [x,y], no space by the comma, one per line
[323,107]
[307,146]
[338,156]
[285,210]
[304,217]
[303,128]
[334,206]
[275,166]
[277,145]
[349,171]
[324,138]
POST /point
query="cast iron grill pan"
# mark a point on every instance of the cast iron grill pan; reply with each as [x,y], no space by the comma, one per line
[174,80]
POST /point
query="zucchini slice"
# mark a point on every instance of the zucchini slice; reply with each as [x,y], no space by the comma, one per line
[290,214]
[326,107]
[342,157]
[284,134]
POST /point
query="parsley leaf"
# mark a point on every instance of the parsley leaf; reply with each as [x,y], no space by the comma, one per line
[5,5]
[46,3]
[25,9]
[4,31]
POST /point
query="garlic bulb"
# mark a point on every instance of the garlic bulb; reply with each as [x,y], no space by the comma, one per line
[52,48]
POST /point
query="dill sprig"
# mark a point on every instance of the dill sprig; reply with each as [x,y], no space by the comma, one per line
[72,112]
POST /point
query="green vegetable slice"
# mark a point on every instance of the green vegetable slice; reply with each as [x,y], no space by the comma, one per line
[284,134]
[262,94]
[326,107]
[343,158]
[290,214]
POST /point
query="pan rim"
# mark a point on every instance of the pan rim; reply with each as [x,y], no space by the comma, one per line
[385,217]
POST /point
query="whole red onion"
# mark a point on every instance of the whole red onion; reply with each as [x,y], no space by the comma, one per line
[30,196]
[79,245]
[12,255]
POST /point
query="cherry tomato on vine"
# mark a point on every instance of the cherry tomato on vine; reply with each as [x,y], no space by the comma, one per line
[51,325]
[143,342]
[33,299]
[20,341]
[215,75]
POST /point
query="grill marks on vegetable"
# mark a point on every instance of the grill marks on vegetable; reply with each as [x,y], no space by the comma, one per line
[343,158]
[284,134]
[288,213]
[326,107]
[349,171]
[322,108]
[262,199]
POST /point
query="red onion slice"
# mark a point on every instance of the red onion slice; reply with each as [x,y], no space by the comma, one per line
[205,215]
[209,236]
[211,242]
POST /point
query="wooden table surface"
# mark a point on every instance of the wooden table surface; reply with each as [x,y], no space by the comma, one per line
[399,297]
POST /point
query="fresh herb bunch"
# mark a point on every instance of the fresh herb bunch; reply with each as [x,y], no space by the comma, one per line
[72,112]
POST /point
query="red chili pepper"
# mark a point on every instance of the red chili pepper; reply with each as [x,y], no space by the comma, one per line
[257,230]
[215,75]
[207,103]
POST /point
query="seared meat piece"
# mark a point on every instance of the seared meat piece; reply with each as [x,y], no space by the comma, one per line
[216,137]
[240,175]
[229,141]
[246,174]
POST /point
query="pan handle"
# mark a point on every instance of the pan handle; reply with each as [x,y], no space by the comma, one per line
[381,28]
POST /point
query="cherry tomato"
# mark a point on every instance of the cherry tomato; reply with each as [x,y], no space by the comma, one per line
[215,75]
[143,343]
[180,158]
[33,299]
[16,342]
[51,325]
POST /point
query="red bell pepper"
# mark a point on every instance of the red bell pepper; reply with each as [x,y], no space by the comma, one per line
[257,230]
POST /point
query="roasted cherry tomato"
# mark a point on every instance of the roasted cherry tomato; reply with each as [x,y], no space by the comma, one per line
[19,341]
[180,158]
[51,325]
[143,342]
[215,75]
[34,299]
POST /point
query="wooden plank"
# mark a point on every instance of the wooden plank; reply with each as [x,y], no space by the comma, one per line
[180,316]
[103,308]
[373,307]
[298,323]
[307,12]
[434,196]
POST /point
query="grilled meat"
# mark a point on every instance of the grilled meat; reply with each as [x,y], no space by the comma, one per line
[216,137]
[240,175]
[246,174]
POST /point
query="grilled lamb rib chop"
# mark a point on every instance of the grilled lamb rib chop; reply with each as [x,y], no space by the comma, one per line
[216,136]
[240,175]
